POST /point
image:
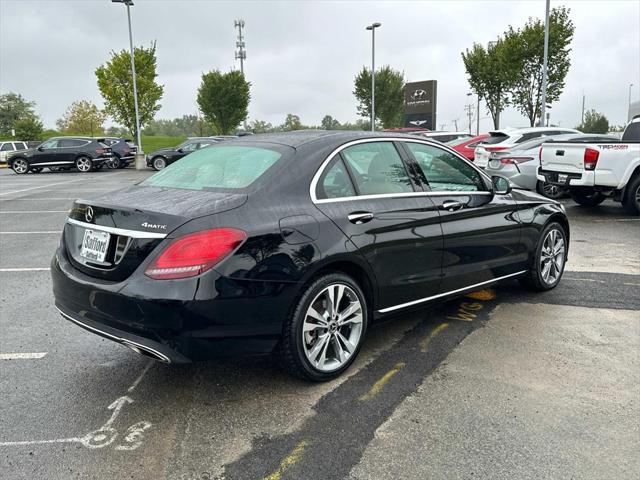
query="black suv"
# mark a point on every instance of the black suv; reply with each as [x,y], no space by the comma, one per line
[62,153]
[166,156]
[123,150]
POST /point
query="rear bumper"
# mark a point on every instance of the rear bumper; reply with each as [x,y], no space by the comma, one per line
[517,178]
[584,179]
[175,321]
[100,160]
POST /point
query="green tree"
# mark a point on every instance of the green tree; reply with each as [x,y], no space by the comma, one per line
[13,108]
[292,122]
[223,99]
[491,75]
[330,123]
[389,95]
[82,117]
[594,122]
[260,126]
[29,128]
[526,52]
[116,86]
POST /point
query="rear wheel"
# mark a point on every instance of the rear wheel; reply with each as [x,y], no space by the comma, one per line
[324,333]
[159,163]
[549,190]
[550,257]
[83,164]
[114,162]
[631,200]
[587,197]
[20,166]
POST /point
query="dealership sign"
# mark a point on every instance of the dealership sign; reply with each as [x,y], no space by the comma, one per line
[420,100]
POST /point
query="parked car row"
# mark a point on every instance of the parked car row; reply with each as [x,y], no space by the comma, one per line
[9,148]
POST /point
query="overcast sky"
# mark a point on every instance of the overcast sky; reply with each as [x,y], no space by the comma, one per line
[302,55]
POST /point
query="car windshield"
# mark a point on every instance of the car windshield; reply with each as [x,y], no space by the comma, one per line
[216,167]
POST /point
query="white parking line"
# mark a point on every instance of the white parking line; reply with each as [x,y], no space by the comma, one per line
[34,211]
[36,199]
[21,356]
[34,269]
[42,186]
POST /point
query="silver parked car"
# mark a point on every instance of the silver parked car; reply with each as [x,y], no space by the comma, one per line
[520,162]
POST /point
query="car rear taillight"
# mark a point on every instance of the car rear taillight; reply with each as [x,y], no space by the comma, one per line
[514,160]
[100,151]
[590,158]
[494,149]
[540,155]
[195,253]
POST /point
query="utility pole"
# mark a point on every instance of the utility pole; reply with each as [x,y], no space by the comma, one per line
[544,66]
[373,27]
[478,117]
[629,104]
[469,109]
[241,53]
[582,123]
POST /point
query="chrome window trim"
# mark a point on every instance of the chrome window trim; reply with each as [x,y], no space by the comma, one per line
[433,297]
[117,231]
[320,171]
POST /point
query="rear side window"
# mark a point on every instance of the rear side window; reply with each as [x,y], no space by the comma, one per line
[445,171]
[211,168]
[7,147]
[529,136]
[70,142]
[335,182]
[632,133]
[377,168]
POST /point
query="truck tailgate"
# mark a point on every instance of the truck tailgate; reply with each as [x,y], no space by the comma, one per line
[563,157]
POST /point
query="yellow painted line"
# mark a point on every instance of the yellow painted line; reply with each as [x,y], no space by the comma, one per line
[486,294]
[377,387]
[292,458]
[424,344]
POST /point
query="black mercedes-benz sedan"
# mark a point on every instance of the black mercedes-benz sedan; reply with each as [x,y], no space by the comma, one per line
[296,243]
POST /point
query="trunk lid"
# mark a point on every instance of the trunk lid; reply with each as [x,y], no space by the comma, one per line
[109,236]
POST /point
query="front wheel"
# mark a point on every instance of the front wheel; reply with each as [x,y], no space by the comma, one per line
[83,164]
[631,200]
[324,333]
[159,163]
[20,166]
[587,197]
[549,260]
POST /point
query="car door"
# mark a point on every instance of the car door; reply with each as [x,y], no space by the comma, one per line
[481,231]
[368,192]
[47,152]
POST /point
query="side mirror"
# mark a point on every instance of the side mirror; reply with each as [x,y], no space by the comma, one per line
[181,150]
[40,149]
[501,185]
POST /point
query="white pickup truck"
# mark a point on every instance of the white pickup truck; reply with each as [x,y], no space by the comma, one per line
[593,172]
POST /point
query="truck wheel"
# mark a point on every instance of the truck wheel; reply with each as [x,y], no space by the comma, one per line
[631,200]
[587,197]
[550,190]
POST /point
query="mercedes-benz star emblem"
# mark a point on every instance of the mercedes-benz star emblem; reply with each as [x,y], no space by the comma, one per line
[88,214]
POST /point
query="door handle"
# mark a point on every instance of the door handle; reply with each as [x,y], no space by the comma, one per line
[452,205]
[359,218]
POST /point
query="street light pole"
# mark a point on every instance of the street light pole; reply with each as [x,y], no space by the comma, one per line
[544,66]
[629,104]
[373,27]
[129,4]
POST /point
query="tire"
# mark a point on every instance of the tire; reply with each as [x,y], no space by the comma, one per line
[538,278]
[158,163]
[20,166]
[113,163]
[84,164]
[631,200]
[36,170]
[313,351]
[586,197]
[549,190]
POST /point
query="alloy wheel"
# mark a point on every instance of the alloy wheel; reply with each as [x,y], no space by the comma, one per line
[159,163]
[20,166]
[332,327]
[83,164]
[637,197]
[552,256]
[551,191]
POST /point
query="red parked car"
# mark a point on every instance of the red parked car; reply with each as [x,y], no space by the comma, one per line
[466,146]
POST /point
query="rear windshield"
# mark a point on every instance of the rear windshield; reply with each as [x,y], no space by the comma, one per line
[494,138]
[216,167]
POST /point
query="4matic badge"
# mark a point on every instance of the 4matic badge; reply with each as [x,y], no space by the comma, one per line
[154,225]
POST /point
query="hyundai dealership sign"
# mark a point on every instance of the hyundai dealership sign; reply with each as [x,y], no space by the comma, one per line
[420,101]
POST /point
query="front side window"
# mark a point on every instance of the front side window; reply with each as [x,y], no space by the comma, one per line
[377,168]
[335,182]
[216,167]
[49,144]
[189,147]
[7,147]
[444,171]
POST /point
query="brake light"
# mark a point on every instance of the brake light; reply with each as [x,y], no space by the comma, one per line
[514,160]
[540,155]
[100,151]
[494,149]
[590,158]
[195,253]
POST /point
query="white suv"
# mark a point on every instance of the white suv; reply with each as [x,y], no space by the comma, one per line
[507,138]
[7,148]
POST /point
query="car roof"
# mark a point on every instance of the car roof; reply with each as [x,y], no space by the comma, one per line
[513,131]
[323,138]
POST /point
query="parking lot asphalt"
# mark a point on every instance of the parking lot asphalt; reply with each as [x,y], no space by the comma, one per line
[501,384]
